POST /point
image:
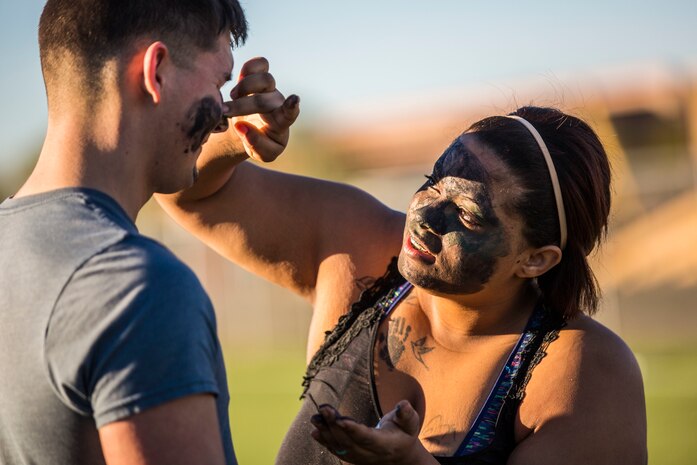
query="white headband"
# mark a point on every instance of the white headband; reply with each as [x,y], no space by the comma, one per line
[552,175]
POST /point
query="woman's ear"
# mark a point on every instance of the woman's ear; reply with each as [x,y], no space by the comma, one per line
[152,70]
[536,262]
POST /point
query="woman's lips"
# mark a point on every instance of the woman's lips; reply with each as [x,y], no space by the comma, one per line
[415,249]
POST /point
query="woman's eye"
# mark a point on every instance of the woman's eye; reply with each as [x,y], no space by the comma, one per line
[470,220]
[430,180]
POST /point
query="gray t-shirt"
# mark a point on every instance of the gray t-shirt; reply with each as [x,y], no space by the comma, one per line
[97,323]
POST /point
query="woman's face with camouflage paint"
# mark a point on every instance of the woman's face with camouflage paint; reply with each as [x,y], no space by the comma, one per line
[456,231]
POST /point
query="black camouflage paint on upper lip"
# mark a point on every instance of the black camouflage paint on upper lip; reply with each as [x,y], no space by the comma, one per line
[203,118]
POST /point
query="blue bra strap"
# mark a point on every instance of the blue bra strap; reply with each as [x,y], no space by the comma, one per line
[394,297]
[481,434]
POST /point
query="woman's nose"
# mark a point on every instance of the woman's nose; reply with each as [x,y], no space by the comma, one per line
[431,218]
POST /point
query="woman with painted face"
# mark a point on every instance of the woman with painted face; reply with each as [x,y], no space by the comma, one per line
[474,344]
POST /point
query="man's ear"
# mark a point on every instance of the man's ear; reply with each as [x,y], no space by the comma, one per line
[154,56]
[536,262]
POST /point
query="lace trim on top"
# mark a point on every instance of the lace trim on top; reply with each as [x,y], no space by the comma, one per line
[551,327]
[363,313]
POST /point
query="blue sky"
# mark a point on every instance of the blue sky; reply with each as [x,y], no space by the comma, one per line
[342,54]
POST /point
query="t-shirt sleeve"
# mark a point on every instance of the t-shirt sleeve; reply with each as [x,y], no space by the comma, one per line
[132,329]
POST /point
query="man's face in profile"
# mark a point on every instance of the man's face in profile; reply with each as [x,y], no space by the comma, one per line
[197,108]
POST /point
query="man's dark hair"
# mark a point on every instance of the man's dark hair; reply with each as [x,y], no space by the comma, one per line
[91,32]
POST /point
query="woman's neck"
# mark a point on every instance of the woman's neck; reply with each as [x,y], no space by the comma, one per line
[455,322]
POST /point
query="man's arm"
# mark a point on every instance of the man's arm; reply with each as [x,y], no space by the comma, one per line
[184,431]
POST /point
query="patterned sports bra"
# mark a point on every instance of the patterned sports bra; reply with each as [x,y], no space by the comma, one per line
[341,374]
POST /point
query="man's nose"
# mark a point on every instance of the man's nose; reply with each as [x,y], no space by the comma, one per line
[222,126]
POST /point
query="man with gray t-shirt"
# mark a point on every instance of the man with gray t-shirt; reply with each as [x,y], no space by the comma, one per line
[98,323]
[108,345]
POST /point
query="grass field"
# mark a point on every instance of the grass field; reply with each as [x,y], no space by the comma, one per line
[265,387]
[670,380]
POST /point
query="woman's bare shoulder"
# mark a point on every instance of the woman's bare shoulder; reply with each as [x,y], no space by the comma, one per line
[594,343]
[587,389]
[586,356]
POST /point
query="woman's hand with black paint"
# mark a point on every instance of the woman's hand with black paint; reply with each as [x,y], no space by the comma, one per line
[394,441]
[260,114]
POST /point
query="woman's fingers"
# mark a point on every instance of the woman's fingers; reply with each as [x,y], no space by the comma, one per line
[253,66]
[407,419]
[257,103]
[324,434]
[357,443]
[253,84]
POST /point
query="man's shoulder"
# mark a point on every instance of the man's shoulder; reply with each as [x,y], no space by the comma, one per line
[132,329]
[135,286]
[63,226]
[138,265]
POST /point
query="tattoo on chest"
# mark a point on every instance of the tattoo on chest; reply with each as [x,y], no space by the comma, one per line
[392,342]
[364,283]
[392,349]
[419,349]
[438,431]
[393,346]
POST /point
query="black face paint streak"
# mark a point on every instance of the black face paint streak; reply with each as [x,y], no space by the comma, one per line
[459,162]
[393,348]
[419,349]
[202,119]
[456,165]
[452,215]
